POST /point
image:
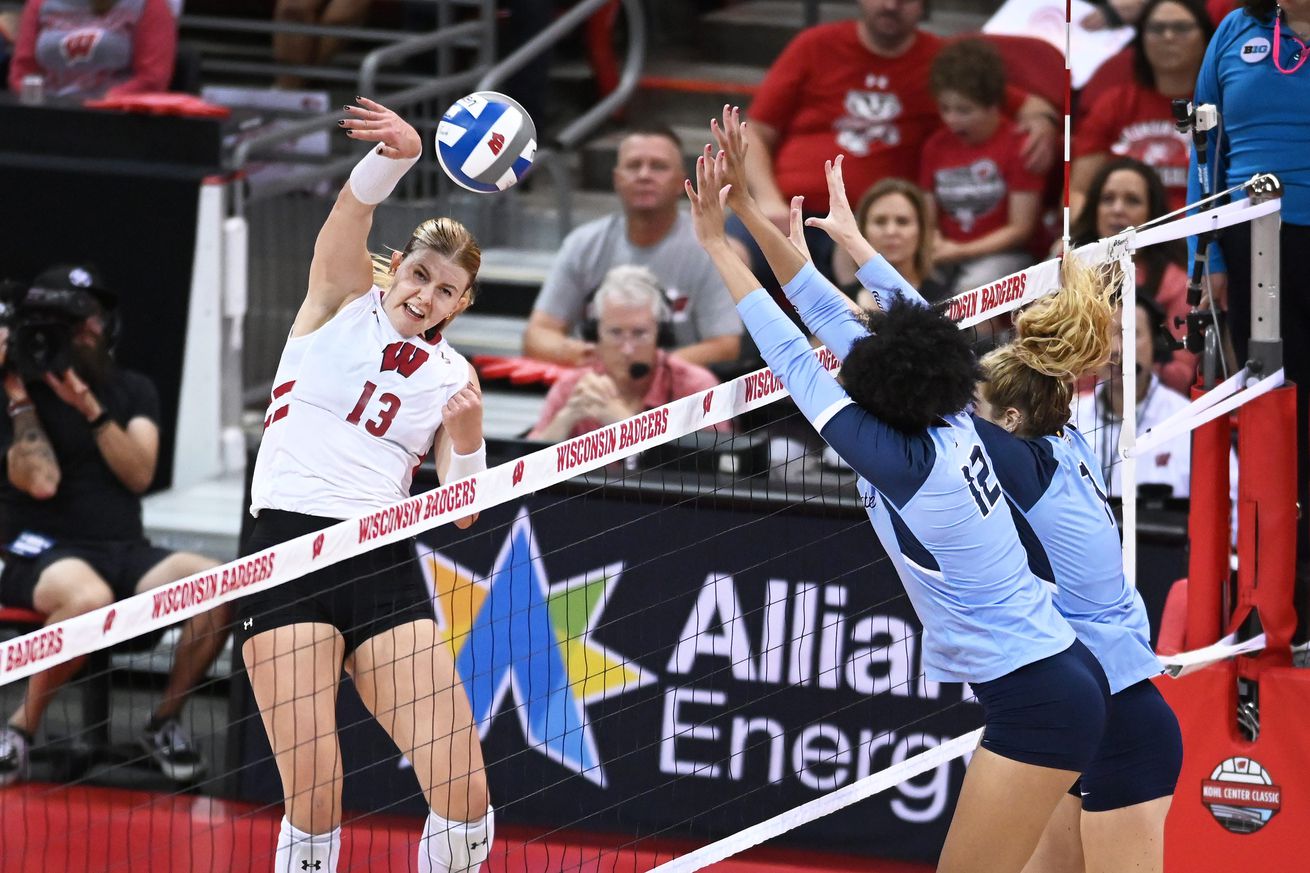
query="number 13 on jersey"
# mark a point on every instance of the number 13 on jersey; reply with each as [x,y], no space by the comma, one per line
[390,406]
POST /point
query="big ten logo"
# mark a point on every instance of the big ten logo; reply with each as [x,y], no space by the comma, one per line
[800,635]
[1255,50]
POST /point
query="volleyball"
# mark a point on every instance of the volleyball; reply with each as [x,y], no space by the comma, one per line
[486,142]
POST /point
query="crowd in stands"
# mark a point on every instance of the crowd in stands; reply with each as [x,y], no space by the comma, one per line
[951,152]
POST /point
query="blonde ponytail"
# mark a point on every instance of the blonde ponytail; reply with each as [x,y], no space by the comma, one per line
[1059,338]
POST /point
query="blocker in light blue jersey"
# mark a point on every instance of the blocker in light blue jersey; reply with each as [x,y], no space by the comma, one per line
[1054,484]
[984,613]
[1063,518]
[1055,489]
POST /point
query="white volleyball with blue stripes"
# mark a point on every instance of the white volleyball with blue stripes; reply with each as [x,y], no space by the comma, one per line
[486,142]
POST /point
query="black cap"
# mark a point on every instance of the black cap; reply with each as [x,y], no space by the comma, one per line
[77,277]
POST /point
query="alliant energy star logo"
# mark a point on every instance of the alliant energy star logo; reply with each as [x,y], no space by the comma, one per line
[495,624]
[1241,795]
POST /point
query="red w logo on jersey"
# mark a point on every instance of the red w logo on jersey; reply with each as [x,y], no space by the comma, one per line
[318,546]
[403,357]
[109,621]
[496,143]
[79,44]
[706,401]
[517,477]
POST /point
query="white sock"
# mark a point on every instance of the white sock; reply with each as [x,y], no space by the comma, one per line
[299,852]
[455,846]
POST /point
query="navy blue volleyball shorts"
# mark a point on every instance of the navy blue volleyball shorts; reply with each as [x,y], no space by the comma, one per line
[1050,713]
[1140,756]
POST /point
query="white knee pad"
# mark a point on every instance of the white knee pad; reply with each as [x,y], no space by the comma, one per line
[455,846]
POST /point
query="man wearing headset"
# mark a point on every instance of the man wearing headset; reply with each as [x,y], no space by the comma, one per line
[631,371]
[82,445]
[650,230]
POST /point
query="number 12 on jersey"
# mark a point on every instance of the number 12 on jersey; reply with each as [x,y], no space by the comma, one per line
[977,474]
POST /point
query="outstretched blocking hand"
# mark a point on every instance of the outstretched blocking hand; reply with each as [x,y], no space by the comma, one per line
[797,235]
[373,122]
[732,142]
[840,223]
[708,197]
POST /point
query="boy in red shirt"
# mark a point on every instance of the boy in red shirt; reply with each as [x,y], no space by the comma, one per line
[987,202]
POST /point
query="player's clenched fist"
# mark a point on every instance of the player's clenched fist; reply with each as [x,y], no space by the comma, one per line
[462,418]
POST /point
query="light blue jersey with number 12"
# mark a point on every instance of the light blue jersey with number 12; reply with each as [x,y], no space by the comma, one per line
[984,613]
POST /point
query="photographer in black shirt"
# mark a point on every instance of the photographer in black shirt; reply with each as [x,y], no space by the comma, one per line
[83,441]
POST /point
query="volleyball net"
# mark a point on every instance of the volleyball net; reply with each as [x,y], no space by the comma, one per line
[669,637]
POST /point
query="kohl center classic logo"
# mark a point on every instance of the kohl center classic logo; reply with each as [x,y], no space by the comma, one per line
[515,633]
[1242,795]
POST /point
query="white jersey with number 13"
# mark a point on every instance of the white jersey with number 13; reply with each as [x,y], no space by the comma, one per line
[354,410]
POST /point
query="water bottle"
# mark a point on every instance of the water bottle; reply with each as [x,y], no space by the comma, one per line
[33,90]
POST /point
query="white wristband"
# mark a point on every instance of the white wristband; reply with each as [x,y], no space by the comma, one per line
[375,176]
[466,465]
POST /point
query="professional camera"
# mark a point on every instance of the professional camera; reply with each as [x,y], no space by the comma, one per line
[43,317]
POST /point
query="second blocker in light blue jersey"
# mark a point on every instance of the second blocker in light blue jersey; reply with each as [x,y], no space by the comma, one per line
[1054,485]
[984,612]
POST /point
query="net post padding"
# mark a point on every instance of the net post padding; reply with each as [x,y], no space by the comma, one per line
[1208,529]
[1266,526]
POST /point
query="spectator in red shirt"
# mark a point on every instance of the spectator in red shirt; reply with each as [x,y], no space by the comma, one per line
[1127,193]
[859,88]
[1136,118]
[95,48]
[987,202]
[630,372]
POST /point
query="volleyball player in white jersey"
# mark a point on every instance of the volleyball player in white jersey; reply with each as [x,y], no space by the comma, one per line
[366,387]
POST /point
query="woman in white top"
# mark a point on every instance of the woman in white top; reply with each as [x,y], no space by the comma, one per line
[366,387]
